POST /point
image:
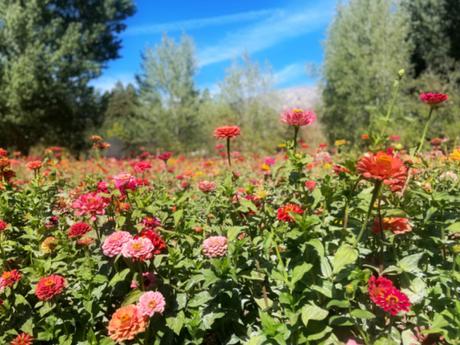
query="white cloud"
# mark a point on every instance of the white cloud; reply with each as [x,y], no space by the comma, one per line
[281,25]
[197,23]
[106,83]
[289,73]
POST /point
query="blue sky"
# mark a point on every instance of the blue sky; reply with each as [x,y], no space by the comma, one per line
[286,34]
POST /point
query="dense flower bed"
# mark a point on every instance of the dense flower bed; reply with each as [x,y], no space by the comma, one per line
[294,248]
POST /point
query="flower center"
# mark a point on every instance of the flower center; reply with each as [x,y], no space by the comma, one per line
[392,299]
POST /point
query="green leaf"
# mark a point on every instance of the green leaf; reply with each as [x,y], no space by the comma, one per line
[120,276]
[200,299]
[208,320]
[313,312]
[453,228]
[175,323]
[299,271]
[338,304]
[410,263]
[344,256]
[362,314]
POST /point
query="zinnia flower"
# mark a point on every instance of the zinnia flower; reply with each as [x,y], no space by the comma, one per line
[50,286]
[383,293]
[433,99]
[310,185]
[215,246]
[151,302]
[126,323]
[383,167]
[138,248]
[124,182]
[285,212]
[455,155]
[298,117]
[113,244]
[78,229]
[206,186]
[34,165]
[3,225]
[227,132]
[396,225]
[142,166]
[22,339]
[159,244]
[151,222]
[9,278]
[91,204]
[49,244]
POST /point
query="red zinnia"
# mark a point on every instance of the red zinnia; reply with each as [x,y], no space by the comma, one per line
[158,243]
[227,132]
[8,278]
[22,339]
[383,293]
[432,98]
[78,229]
[396,225]
[165,156]
[383,167]
[285,212]
[50,286]
[3,225]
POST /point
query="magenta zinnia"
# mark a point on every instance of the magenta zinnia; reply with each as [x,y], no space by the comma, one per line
[385,295]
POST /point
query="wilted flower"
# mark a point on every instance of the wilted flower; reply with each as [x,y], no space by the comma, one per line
[126,323]
[215,246]
[113,243]
[49,244]
[50,286]
[151,303]
[298,117]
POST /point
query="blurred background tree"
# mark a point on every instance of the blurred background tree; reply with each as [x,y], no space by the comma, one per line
[49,51]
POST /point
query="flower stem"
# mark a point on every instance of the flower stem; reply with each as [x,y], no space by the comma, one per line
[425,130]
[296,132]
[228,153]
[375,194]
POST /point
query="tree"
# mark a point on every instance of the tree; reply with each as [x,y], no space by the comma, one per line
[435,32]
[365,48]
[49,51]
[169,99]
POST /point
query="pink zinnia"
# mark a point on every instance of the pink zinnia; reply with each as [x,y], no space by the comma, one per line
[138,248]
[151,302]
[91,204]
[298,117]
[141,166]
[124,182]
[50,286]
[227,132]
[432,98]
[310,185]
[113,244]
[215,246]
[206,186]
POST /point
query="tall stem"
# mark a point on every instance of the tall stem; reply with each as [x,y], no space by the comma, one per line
[375,194]
[425,130]
[229,160]
[296,132]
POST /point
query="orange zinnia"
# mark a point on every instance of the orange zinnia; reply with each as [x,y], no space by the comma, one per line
[126,323]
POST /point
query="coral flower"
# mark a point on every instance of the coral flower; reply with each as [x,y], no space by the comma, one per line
[50,286]
[207,186]
[151,302]
[78,229]
[113,244]
[285,212]
[383,167]
[310,185]
[126,323]
[298,117]
[34,165]
[22,339]
[227,132]
[433,99]
[91,204]
[396,225]
[9,278]
[383,293]
[215,246]
[138,248]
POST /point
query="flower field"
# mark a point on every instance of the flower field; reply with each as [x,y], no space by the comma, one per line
[312,245]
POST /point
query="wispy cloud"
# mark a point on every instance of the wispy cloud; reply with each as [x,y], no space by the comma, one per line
[106,83]
[279,26]
[289,73]
[198,23]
